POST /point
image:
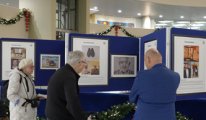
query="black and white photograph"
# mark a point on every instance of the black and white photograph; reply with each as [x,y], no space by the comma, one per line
[17,54]
[124,66]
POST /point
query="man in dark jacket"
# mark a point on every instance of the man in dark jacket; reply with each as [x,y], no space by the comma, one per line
[154,90]
[63,101]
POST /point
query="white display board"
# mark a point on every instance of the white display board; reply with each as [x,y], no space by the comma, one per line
[149,45]
[96,52]
[190,63]
[13,53]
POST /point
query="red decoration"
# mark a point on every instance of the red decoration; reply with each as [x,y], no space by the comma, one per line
[116,30]
[27,15]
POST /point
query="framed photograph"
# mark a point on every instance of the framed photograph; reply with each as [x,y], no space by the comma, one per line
[123,66]
[96,54]
[188,60]
[148,45]
[191,61]
[50,61]
[13,53]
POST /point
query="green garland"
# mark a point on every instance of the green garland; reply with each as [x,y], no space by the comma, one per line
[119,27]
[116,112]
[21,14]
[119,112]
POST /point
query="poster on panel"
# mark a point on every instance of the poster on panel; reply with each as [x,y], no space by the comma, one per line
[13,53]
[96,54]
[189,62]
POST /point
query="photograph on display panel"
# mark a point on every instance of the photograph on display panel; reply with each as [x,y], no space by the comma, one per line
[17,54]
[49,61]
[92,57]
[124,66]
[96,55]
[191,61]
[13,53]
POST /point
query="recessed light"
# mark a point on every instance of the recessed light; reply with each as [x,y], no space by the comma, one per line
[95,7]
[161,24]
[194,27]
[91,9]
[119,11]
[183,22]
[7,3]
[200,22]
[166,21]
[197,25]
[204,17]
[182,17]
[179,25]
[160,16]
[139,14]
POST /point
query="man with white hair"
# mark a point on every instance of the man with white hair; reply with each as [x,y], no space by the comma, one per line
[63,101]
[154,90]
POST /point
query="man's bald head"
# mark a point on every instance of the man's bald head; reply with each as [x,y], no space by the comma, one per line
[152,57]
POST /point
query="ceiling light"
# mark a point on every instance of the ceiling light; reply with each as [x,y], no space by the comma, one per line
[139,14]
[161,24]
[95,7]
[7,3]
[182,17]
[204,17]
[197,25]
[200,22]
[179,25]
[119,11]
[183,22]
[165,21]
[160,16]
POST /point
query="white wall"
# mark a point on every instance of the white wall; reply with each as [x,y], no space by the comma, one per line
[15,30]
[43,21]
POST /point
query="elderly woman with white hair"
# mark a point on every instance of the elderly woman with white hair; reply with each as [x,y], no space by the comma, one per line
[21,92]
[63,101]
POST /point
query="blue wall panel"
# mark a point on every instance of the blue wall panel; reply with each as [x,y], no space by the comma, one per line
[43,47]
[160,36]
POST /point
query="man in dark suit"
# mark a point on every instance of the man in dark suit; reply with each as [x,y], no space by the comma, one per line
[154,90]
[63,101]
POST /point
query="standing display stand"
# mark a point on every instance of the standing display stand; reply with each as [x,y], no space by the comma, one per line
[182,51]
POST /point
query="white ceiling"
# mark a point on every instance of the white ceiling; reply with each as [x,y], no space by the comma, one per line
[191,3]
[152,8]
[130,8]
